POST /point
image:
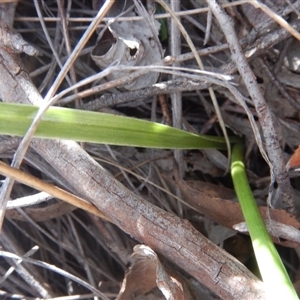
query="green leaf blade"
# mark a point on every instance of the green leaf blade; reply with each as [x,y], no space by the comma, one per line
[86,126]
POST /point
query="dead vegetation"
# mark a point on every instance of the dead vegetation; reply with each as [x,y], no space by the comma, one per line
[171,213]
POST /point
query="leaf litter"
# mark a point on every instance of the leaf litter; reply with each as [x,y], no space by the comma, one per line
[99,253]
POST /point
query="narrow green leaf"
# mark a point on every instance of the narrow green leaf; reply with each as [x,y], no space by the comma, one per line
[86,126]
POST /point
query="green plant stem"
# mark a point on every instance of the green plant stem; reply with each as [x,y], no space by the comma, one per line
[274,275]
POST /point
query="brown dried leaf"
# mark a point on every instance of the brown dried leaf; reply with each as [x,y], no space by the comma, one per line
[43,213]
[228,213]
[294,161]
[146,273]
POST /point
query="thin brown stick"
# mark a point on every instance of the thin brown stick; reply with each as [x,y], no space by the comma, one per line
[176,98]
[53,190]
[277,164]
[201,66]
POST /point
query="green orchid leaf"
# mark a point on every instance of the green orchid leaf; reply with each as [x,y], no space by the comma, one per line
[94,127]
